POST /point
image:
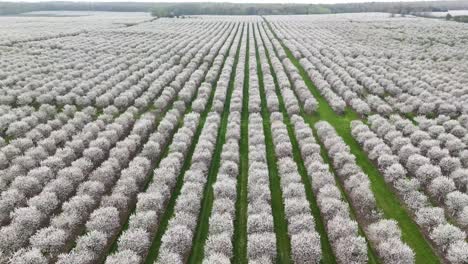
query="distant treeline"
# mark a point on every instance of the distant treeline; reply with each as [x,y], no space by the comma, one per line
[463,19]
[457,18]
[186,9]
[10,8]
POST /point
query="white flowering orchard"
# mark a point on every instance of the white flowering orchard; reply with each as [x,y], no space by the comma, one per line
[218,139]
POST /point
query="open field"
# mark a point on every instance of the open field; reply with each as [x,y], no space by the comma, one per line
[233,139]
[451,12]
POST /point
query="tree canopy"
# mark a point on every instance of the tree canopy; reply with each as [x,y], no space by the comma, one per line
[203,8]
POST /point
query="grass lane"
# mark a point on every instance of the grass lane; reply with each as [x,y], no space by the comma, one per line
[372,256]
[113,247]
[240,223]
[159,115]
[132,208]
[201,231]
[158,118]
[327,251]
[386,200]
[169,212]
[283,244]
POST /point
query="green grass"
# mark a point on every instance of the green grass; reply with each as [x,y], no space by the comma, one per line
[201,231]
[154,249]
[411,117]
[159,115]
[283,244]
[8,139]
[113,247]
[240,223]
[372,256]
[169,212]
[386,200]
[327,251]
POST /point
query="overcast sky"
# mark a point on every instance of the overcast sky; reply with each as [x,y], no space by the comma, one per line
[233,1]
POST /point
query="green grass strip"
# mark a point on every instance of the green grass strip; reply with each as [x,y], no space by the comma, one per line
[240,223]
[201,231]
[386,200]
[372,256]
[164,153]
[327,251]
[154,249]
[158,117]
[113,247]
[132,208]
[283,245]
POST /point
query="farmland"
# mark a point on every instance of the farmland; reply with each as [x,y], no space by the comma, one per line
[233,139]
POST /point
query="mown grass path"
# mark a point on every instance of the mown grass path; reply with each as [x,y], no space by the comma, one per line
[283,244]
[164,152]
[386,200]
[240,223]
[169,212]
[201,231]
[159,115]
[371,254]
[372,257]
[327,251]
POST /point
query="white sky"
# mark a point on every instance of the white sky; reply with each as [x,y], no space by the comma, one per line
[234,1]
